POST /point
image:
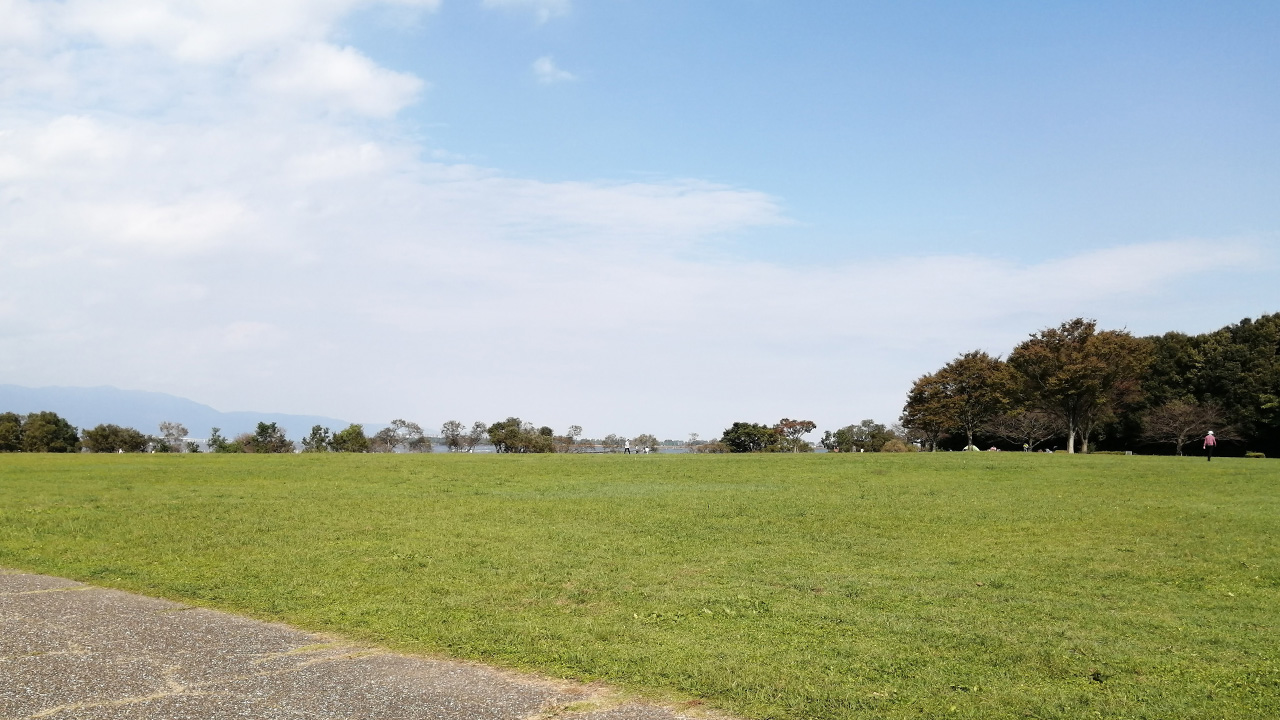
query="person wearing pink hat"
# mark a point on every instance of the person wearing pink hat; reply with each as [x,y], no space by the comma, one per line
[1210,442]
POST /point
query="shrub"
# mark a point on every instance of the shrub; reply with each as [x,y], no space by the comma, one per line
[895,445]
[1255,455]
[1107,452]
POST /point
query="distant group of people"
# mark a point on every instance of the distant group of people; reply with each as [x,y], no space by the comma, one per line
[626,448]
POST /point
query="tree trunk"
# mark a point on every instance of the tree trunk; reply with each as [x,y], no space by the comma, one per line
[969,434]
[1071,438]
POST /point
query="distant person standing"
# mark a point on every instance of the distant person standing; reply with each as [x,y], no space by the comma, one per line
[626,446]
[1210,442]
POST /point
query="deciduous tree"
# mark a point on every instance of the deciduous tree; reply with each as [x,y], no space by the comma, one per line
[453,432]
[48,432]
[267,438]
[1178,422]
[108,438]
[515,436]
[1080,374]
[568,442]
[319,440]
[742,437]
[401,434]
[1026,428]
[352,440]
[931,409]
[479,431]
[792,434]
[866,436]
[10,432]
[644,441]
[172,438]
[981,388]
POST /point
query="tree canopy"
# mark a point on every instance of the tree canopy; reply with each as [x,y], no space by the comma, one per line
[743,437]
[109,438]
[1080,374]
[48,432]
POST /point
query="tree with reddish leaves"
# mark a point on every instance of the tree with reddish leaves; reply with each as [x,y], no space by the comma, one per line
[792,433]
[1081,375]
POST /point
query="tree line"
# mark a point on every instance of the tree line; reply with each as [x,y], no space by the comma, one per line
[48,432]
[1074,384]
[1094,389]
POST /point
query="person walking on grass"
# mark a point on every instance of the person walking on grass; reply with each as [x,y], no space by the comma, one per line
[626,447]
[1210,442]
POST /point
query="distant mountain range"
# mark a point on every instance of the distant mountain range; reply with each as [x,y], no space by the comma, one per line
[86,407]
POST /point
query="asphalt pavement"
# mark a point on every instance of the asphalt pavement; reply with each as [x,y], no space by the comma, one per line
[71,650]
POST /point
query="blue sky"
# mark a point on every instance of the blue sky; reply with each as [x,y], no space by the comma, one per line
[997,127]
[633,216]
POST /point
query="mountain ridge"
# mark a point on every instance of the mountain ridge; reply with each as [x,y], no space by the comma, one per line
[86,407]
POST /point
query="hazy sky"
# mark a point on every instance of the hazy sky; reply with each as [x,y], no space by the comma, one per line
[632,215]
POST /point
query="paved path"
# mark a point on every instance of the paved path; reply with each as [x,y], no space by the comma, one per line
[69,650]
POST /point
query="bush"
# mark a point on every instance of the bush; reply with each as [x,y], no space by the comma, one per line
[711,447]
[1255,455]
[896,446]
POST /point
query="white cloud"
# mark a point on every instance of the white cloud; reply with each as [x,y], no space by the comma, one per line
[204,31]
[340,77]
[20,23]
[545,70]
[544,10]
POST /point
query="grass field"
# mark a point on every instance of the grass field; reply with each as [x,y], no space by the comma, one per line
[819,586]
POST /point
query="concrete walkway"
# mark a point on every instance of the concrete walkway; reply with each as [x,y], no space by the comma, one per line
[69,650]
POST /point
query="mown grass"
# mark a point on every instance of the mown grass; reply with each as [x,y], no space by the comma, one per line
[824,586]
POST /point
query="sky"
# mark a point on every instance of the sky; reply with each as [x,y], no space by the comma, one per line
[634,216]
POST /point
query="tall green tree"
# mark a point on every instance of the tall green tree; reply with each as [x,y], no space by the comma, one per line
[319,440]
[981,387]
[1080,374]
[516,436]
[10,432]
[1236,368]
[352,439]
[268,438]
[743,437]
[454,434]
[866,436]
[108,438]
[931,409]
[49,433]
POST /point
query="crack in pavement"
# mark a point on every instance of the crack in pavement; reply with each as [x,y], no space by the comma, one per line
[73,649]
[174,688]
[77,588]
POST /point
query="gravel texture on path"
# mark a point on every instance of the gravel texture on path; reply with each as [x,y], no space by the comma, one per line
[70,650]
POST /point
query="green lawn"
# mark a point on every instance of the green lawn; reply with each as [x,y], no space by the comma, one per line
[773,586]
